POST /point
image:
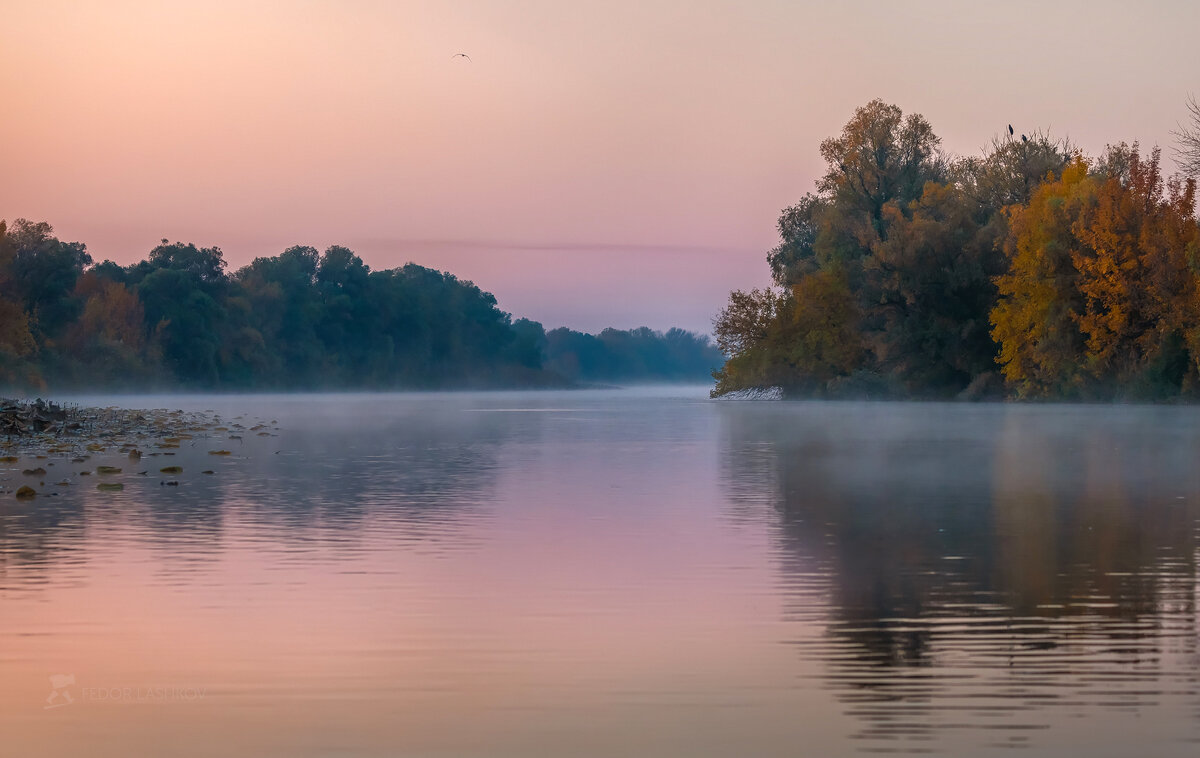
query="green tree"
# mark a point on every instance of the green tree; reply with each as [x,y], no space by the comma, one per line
[44,270]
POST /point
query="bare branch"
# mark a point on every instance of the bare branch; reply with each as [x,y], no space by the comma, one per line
[1187,138]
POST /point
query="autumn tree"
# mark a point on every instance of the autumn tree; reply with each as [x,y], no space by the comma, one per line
[1036,321]
[880,156]
[111,313]
[914,242]
[741,330]
[16,340]
[819,337]
[1136,243]
[1101,294]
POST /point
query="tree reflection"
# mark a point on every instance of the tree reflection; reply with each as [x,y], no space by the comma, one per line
[978,563]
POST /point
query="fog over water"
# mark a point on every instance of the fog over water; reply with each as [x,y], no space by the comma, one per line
[625,572]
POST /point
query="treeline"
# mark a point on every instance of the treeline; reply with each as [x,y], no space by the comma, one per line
[637,355]
[1030,271]
[299,320]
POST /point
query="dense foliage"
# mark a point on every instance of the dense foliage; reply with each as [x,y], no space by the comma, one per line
[301,319]
[1030,271]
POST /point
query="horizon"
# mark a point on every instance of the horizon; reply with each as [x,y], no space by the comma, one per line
[587,166]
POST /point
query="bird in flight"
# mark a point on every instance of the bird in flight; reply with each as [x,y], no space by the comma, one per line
[462,55]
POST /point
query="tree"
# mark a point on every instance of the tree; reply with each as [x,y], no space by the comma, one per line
[742,330]
[529,343]
[1187,139]
[799,229]
[1036,321]
[111,312]
[927,290]
[44,270]
[110,334]
[1136,243]
[880,156]
[16,339]
[185,322]
[1009,172]
[284,308]
[820,338]
[746,321]
[1101,296]
[206,265]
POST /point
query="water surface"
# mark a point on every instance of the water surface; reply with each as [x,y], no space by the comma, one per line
[618,573]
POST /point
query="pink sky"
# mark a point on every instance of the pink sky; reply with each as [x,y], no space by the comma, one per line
[598,163]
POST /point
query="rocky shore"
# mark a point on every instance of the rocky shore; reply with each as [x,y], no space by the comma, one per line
[754,393]
[106,442]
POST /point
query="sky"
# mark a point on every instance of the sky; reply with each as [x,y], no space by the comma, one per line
[594,164]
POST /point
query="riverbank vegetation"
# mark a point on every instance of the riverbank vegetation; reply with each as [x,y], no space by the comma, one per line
[303,319]
[1030,271]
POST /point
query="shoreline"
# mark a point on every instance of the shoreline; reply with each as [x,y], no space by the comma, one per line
[102,444]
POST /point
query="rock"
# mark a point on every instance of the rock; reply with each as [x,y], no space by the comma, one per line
[110,486]
[26,493]
[754,393]
[171,470]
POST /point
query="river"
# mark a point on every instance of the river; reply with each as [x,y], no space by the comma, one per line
[638,572]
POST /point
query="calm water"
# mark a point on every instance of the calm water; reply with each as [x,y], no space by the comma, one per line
[620,573]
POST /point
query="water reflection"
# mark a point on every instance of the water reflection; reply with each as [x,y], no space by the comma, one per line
[31,540]
[983,571]
[606,573]
[416,472]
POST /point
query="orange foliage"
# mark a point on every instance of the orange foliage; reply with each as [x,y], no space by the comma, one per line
[111,313]
[1036,319]
[1133,269]
[1102,284]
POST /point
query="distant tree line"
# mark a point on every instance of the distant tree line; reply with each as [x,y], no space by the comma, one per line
[301,319]
[1029,271]
[637,355]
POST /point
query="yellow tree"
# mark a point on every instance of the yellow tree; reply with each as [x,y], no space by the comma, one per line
[821,339]
[1036,320]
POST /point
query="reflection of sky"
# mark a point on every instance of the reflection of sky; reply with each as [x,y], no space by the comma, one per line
[621,573]
[597,163]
